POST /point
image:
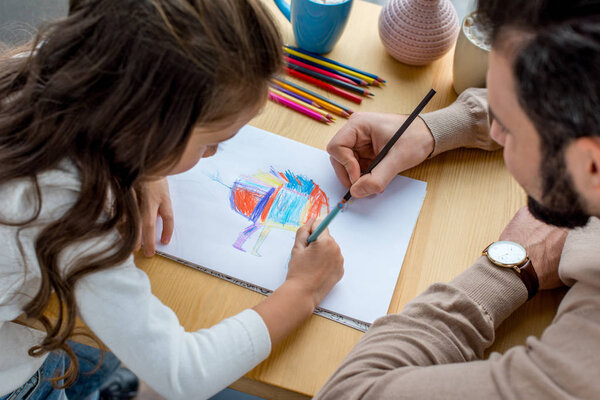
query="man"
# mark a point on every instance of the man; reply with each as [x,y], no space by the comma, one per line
[544,100]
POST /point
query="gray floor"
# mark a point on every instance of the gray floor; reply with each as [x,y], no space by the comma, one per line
[18,22]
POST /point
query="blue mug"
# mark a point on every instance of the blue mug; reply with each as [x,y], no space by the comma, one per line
[317,26]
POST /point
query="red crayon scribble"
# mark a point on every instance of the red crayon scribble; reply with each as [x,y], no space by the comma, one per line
[280,200]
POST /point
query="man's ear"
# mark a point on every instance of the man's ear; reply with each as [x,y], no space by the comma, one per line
[585,161]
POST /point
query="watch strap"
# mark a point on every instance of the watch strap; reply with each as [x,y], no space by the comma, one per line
[529,277]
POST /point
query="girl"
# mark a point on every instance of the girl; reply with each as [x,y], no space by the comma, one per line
[115,96]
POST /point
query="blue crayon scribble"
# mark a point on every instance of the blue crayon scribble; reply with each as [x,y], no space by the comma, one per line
[274,199]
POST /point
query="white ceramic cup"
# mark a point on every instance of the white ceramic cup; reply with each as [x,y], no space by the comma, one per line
[470,58]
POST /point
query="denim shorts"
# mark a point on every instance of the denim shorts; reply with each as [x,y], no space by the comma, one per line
[86,387]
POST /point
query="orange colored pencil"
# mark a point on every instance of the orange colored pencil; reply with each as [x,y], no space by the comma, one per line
[328,106]
[318,96]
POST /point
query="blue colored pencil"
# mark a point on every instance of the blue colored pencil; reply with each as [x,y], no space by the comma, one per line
[354,79]
[308,53]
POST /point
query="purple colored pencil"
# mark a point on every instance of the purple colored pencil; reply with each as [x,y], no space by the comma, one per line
[297,96]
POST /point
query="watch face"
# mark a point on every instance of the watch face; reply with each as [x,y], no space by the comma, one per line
[507,253]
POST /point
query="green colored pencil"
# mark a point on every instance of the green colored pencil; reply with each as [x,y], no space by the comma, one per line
[325,223]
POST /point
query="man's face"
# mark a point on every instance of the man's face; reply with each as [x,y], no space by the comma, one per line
[546,179]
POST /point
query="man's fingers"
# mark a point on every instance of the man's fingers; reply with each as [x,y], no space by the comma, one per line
[341,149]
[345,158]
[340,172]
[376,181]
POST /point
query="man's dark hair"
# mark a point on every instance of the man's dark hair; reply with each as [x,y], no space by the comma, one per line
[557,71]
[557,75]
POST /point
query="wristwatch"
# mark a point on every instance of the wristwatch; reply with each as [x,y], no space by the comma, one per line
[507,254]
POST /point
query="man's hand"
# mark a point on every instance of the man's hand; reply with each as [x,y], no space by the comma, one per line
[355,146]
[155,201]
[544,244]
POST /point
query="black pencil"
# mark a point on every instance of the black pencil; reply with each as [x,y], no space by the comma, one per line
[395,138]
[354,79]
[376,161]
[333,81]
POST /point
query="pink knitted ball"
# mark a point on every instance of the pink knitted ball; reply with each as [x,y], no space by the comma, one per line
[417,32]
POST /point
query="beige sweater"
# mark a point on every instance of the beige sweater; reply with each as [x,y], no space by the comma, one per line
[434,348]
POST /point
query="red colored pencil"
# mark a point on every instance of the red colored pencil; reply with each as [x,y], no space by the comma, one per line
[326,86]
[319,70]
[336,82]
[297,107]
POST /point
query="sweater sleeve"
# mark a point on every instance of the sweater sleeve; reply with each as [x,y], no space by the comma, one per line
[434,348]
[119,307]
[464,123]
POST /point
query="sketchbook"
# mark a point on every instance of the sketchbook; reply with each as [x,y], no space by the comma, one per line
[236,215]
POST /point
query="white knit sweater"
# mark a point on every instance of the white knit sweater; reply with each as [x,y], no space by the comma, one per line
[116,304]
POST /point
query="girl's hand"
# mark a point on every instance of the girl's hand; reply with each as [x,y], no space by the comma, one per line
[355,146]
[313,271]
[155,202]
[316,267]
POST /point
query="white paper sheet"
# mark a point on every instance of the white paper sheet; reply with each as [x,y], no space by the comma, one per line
[373,233]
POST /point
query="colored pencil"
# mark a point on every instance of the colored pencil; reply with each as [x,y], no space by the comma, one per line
[318,96]
[308,53]
[326,105]
[319,70]
[330,65]
[354,79]
[347,86]
[295,95]
[323,225]
[330,88]
[315,109]
[297,107]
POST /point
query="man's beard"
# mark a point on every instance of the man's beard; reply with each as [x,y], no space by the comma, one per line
[564,219]
[562,206]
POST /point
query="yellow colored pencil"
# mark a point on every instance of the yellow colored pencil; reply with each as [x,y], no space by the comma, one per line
[311,107]
[324,104]
[370,80]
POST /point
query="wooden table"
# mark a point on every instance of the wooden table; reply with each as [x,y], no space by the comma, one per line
[470,198]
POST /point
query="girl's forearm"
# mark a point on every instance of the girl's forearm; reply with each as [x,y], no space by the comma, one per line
[285,309]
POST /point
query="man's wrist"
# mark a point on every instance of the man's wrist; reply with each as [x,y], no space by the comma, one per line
[511,255]
[499,291]
[428,142]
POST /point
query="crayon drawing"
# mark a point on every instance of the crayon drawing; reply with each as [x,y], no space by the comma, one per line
[273,199]
[259,188]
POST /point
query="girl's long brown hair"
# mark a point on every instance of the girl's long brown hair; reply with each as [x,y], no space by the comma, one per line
[116,87]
